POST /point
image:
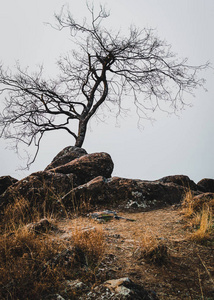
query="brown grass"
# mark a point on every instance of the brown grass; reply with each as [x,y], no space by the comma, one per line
[34,265]
[204,221]
[152,249]
[92,242]
[155,251]
[199,216]
[23,259]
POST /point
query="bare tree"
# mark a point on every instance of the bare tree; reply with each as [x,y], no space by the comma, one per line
[105,68]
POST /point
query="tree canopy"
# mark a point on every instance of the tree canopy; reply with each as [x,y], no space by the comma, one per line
[103,67]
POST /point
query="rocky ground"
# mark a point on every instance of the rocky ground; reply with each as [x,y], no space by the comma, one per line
[75,232]
[176,274]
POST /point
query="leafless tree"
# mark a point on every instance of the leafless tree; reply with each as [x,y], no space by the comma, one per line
[105,68]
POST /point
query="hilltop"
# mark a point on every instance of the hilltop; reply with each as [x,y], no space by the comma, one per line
[74,232]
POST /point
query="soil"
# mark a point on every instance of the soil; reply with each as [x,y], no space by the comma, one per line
[186,272]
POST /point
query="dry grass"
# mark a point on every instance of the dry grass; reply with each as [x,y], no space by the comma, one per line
[188,204]
[204,221]
[199,216]
[23,259]
[91,242]
[34,265]
[18,214]
[152,249]
[167,261]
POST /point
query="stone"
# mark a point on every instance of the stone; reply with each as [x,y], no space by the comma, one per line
[107,215]
[181,180]
[87,167]
[41,227]
[120,192]
[77,286]
[5,182]
[206,185]
[122,288]
[119,285]
[54,297]
[70,257]
[66,155]
[39,188]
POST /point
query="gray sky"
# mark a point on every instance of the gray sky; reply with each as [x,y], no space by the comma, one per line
[171,145]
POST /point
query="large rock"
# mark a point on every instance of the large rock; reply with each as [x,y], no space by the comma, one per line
[49,186]
[206,185]
[66,155]
[126,193]
[181,180]
[39,188]
[87,167]
[5,182]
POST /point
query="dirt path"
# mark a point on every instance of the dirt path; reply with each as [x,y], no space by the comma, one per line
[188,270]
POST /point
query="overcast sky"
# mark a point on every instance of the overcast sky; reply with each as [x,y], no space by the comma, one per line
[171,145]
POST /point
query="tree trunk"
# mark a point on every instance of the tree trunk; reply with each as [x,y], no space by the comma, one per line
[81,133]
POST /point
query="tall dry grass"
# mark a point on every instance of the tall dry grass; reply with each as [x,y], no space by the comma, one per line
[34,265]
[91,242]
[23,257]
[152,249]
[199,216]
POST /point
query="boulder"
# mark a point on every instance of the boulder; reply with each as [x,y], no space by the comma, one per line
[39,188]
[126,193]
[206,185]
[181,180]
[66,155]
[87,167]
[5,182]
[49,186]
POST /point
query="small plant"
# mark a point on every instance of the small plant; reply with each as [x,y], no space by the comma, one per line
[152,250]
[91,243]
[187,204]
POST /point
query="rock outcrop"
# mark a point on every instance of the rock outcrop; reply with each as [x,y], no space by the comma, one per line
[181,180]
[206,185]
[126,193]
[49,186]
[39,188]
[5,182]
[87,167]
[75,175]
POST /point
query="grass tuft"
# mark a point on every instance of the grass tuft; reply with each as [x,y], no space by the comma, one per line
[199,216]
[153,250]
[91,242]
